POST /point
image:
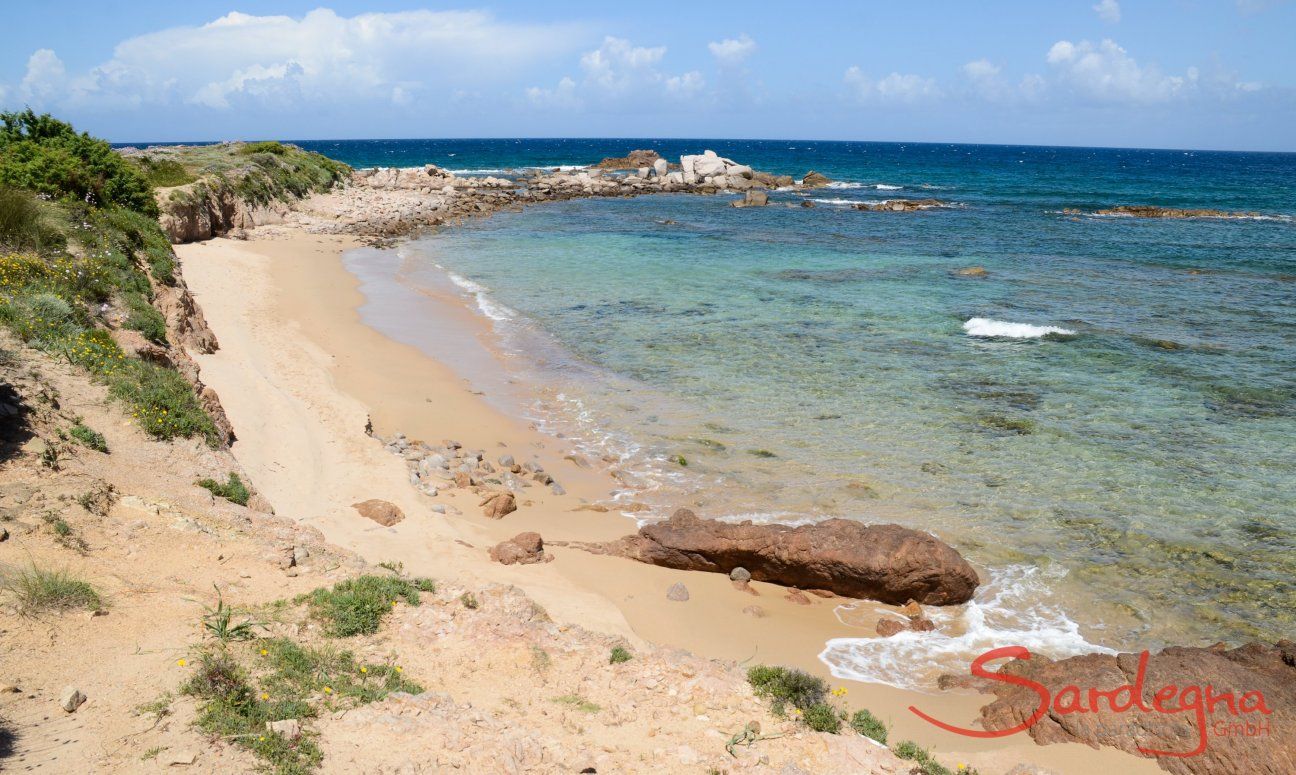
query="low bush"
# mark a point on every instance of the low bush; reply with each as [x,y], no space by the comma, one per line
[868,725]
[242,687]
[232,490]
[619,655]
[162,172]
[822,717]
[264,146]
[163,402]
[357,606]
[784,686]
[911,751]
[38,590]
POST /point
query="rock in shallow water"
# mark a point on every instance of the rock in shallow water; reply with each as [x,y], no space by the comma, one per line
[889,563]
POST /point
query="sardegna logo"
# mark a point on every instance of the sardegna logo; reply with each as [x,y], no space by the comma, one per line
[1169,700]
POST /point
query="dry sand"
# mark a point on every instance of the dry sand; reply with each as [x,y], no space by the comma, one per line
[300,374]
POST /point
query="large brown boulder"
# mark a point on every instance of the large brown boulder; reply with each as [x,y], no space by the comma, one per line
[1252,742]
[383,512]
[521,549]
[889,563]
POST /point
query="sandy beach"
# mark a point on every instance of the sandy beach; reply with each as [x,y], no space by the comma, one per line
[300,375]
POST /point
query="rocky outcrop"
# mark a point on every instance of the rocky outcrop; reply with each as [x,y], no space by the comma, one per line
[211,208]
[521,549]
[631,161]
[889,563]
[1249,741]
[753,198]
[813,179]
[901,205]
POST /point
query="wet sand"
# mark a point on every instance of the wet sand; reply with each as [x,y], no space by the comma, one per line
[300,374]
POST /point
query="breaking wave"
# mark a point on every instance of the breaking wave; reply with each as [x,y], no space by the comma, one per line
[986,327]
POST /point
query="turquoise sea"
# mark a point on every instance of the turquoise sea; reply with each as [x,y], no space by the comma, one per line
[1105,423]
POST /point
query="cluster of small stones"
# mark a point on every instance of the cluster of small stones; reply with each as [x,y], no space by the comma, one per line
[449,465]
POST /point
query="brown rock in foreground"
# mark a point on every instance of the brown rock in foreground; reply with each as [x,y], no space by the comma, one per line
[380,511]
[813,179]
[1266,747]
[521,549]
[889,563]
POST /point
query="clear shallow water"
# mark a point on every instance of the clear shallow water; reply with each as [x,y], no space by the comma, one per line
[1132,483]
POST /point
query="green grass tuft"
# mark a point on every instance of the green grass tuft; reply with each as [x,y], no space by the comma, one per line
[232,490]
[88,437]
[357,606]
[619,655]
[38,590]
[578,702]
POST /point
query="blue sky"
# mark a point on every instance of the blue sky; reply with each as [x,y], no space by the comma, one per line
[1169,73]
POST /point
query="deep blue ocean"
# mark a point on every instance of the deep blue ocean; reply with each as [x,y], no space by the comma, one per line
[1129,481]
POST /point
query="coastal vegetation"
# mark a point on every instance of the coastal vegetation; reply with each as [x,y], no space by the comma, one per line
[81,253]
[256,173]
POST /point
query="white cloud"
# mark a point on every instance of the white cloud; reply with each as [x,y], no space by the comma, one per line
[1108,10]
[320,58]
[618,70]
[981,69]
[732,51]
[45,77]
[1105,72]
[896,87]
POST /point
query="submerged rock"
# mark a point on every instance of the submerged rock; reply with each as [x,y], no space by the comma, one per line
[1152,211]
[902,205]
[889,563]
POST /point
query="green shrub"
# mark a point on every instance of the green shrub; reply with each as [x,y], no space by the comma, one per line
[232,490]
[37,590]
[88,437]
[822,717]
[784,686]
[264,146]
[868,725]
[162,172]
[357,606]
[48,156]
[619,655]
[42,319]
[145,319]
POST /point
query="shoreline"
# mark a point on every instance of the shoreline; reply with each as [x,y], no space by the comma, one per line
[300,374]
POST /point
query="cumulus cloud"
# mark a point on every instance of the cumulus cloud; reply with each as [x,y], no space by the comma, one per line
[281,61]
[896,87]
[732,51]
[1106,72]
[1108,10]
[618,70]
[45,76]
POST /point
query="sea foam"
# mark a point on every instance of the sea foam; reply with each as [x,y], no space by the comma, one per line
[1009,610]
[488,306]
[986,327]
